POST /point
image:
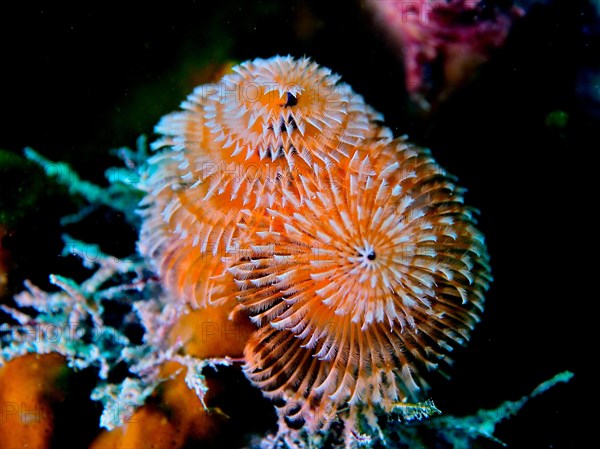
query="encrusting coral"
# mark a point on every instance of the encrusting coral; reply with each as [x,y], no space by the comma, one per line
[292,235]
[29,388]
[443,42]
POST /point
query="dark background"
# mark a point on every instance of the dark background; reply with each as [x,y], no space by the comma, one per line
[80,79]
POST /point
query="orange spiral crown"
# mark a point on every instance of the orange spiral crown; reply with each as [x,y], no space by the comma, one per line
[354,254]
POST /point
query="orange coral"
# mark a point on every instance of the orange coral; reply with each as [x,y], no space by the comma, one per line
[213,332]
[178,419]
[28,392]
[176,416]
[148,428]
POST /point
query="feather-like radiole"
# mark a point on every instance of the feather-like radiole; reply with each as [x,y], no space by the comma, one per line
[233,151]
[277,189]
[375,277]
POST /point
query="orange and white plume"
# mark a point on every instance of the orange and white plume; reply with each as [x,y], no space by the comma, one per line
[354,254]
